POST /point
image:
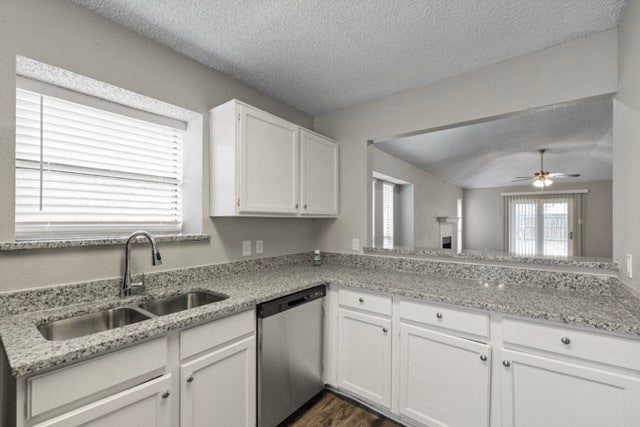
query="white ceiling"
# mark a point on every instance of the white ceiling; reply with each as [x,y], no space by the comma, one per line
[320,56]
[578,139]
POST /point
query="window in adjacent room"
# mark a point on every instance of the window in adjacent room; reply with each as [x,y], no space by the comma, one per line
[387,214]
[86,167]
[459,226]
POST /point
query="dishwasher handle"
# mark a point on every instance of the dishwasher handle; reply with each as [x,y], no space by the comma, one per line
[298,301]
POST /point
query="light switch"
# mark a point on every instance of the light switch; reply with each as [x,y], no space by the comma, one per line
[259,246]
[246,247]
[355,244]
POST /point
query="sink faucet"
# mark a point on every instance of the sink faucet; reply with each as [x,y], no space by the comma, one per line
[129,288]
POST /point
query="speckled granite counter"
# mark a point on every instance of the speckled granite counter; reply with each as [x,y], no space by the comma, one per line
[29,352]
[489,256]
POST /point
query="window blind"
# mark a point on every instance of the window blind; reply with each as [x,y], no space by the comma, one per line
[387,214]
[85,172]
[544,224]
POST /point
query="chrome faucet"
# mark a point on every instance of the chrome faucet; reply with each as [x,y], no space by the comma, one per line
[129,288]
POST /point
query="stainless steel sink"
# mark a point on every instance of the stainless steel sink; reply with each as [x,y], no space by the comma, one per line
[169,305]
[88,324]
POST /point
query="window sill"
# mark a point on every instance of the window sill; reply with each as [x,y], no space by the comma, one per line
[74,243]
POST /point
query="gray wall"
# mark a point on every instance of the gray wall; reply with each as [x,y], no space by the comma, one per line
[626,145]
[432,197]
[483,217]
[578,69]
[63,34]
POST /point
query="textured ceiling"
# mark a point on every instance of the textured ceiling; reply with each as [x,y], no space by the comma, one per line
[320,56]
[490,154]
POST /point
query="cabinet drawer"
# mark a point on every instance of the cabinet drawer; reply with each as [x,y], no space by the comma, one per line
[361,300]
[457,320]
[216,333]
[616,351]
[66,385]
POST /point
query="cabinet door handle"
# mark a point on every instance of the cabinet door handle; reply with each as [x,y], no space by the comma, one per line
[305,206]
[506,363]
[385,330]
[190,378]
[439,315]
[165,394]
[483,357]
[296,206]
[361,299]
[565,340]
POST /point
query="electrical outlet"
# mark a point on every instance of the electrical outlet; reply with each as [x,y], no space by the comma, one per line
[259,246]
[355,244]
[629,266]
[246,247]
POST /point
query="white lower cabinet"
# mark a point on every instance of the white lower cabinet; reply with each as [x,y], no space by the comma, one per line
[542,391]
[141,406]
[364,355]
[436,368]
[219,389]
[443,380]
[197,377]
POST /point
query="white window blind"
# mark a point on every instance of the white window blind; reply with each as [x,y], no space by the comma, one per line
[387,214]
[83,171]
[544,224]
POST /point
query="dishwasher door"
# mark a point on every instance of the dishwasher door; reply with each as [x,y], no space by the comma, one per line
[290,335]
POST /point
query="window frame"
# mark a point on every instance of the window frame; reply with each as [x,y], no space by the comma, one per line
[190,130]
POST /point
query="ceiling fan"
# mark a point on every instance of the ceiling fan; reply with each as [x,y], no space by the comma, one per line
[543,178]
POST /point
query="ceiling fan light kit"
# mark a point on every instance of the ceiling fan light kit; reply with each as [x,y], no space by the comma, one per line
[542,182]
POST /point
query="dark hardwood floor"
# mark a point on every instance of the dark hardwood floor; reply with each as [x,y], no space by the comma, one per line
[329,409]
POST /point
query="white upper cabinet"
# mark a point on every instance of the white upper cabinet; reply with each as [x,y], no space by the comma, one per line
[268,164]
[262,165]
[319,174]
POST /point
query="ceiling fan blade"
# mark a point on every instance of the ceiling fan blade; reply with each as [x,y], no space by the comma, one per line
[522,179]
[564,175]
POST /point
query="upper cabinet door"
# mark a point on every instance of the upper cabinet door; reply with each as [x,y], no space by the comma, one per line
[319,175]
[268,163]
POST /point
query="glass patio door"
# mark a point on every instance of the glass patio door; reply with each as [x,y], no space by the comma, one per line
[541,226]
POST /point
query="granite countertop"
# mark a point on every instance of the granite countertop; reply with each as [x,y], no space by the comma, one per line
[28,352]
[489,256]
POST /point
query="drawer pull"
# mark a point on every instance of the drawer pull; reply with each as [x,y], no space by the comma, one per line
[165,394]
[439,315]
[506,363]
[361,299]
[385,330]
[565,340]
[483,357]
[190,378]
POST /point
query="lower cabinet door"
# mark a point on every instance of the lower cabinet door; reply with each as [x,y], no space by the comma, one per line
[146,405]
[219,389]
[539,391]
[364,356]
[444,380]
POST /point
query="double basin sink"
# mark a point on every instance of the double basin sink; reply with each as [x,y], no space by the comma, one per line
[78,326]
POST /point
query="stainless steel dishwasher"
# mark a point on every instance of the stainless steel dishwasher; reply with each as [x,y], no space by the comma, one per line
[290,335]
